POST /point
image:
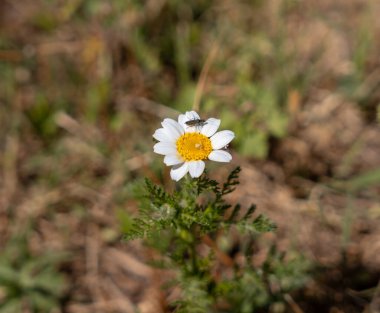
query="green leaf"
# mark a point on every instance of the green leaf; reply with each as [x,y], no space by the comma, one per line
[13,305]
[255,145]
[263,224]
[232,180]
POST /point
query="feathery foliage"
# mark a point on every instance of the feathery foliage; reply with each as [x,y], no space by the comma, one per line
[194,229]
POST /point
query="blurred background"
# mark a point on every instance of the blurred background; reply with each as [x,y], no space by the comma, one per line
[83,86]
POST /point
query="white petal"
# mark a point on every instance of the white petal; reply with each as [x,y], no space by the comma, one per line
[196,168]
[172,159]
[211,126]
[221,139]
[191,129]
[182,119]
[165,148]
[172,128]
[161,135]
[192,115]
[177,172]
[220,156]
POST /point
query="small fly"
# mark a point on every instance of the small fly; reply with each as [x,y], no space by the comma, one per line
[196,123]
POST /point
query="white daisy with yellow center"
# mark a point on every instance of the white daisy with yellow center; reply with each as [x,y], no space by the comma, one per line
[185,146]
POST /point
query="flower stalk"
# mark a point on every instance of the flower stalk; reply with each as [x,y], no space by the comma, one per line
[191,227]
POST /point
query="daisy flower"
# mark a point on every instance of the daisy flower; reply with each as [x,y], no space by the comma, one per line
[186,145]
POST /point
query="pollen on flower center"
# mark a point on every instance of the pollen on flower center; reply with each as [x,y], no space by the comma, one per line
[193,146]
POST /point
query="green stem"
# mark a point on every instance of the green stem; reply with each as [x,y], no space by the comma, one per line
[194,260]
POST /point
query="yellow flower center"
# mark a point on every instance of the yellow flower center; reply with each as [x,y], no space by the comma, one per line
[193,146]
